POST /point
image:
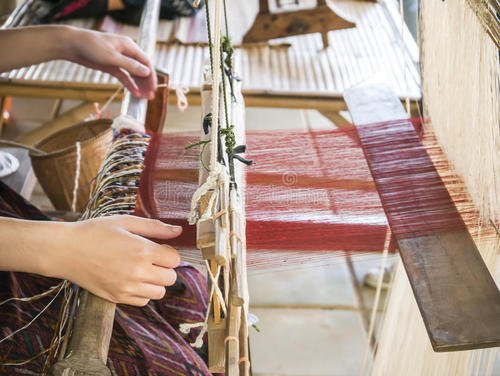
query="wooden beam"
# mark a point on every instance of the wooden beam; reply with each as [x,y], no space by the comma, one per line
[83,93]
[457,297]
[99,92]
[92,93]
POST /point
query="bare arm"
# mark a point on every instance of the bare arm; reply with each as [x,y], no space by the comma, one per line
[107,256]
[113,54]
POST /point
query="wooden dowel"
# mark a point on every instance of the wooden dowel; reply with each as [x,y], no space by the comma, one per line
[89,343]
[216,303]
[232,341]
[244,360]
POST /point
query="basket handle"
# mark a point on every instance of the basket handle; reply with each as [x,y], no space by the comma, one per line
[19,145]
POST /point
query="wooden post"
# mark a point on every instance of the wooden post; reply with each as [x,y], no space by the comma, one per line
[89,344]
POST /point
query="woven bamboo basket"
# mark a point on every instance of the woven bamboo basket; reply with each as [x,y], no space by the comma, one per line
[55,164]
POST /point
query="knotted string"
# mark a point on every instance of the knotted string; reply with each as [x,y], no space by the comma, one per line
[214,289]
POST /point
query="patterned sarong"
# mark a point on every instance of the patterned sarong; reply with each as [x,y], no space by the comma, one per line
[145,341]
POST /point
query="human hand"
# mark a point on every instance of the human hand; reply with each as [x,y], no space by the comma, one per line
[115,54]
[110,257]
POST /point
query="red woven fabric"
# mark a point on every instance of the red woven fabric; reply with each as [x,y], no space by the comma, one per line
[305,191]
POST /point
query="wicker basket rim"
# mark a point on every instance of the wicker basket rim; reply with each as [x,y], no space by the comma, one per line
[65,150]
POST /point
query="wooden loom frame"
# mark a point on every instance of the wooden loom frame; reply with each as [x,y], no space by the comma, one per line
[87,349]
[322,18]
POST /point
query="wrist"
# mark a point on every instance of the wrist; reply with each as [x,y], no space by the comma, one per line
[64,38]
[32,246]
[52,253]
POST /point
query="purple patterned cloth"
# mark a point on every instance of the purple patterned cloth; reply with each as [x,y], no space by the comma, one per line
[145,341]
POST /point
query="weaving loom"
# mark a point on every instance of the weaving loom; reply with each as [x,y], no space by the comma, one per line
[377,116]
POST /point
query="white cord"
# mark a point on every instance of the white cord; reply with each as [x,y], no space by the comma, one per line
[77,175]
[216,81]
[37,316]
[373,316]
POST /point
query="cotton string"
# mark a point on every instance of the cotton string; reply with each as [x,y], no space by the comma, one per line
[100,110]
[378,290]
[77,176]
[231,338]
[34,297]
[244,359]
[186,327]
[215,168]
[215,286]
[37,315]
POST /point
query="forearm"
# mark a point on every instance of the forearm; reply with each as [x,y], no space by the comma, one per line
[29,246]
[26,46]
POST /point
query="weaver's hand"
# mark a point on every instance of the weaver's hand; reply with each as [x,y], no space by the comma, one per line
[114,54]
[110,53]
[110,258]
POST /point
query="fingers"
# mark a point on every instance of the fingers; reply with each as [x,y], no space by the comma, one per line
[142,87]
[127,81]
[151,228]
[132,50]
[165,256]
[134,57]
[135,301]
[132,66]
[149,291]
[144,294]
[146,86]
[159,276]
